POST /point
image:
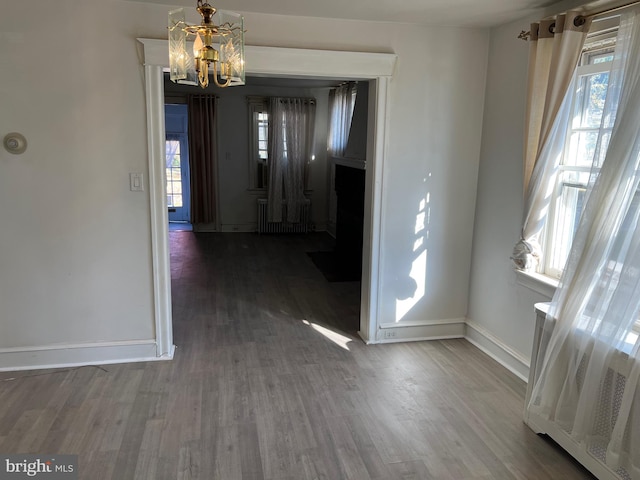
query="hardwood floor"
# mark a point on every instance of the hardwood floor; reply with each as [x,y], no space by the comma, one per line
[270,382]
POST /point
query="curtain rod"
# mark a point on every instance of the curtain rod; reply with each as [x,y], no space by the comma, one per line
[581,19]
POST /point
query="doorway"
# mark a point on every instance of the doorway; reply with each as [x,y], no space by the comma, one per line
[288,62]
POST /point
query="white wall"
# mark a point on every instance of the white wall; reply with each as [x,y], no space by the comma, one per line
[75,264]
[498,306]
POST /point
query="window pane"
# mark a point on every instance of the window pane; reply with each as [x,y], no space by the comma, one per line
[604,145]
[568,210]
[593,96]
[173,173]
[582,147]
[172,148]
[259,146]
[600,58]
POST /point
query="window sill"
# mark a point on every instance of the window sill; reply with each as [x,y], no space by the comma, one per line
[537,282]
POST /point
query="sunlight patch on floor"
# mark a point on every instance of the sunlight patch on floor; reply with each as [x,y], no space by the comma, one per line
[335,337]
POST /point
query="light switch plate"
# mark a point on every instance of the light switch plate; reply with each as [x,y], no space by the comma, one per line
[136,182]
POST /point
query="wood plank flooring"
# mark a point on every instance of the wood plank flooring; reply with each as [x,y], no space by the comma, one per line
[269,382]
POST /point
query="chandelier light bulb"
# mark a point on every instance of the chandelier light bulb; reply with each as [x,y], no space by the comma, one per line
[197,46]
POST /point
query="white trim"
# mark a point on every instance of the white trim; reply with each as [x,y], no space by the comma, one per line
[431,336]
[421,330]
[317,63]
[423,323]
[377,128]
[154,92]
[235,228]
[77,355]
[514,361]
[537,282]
[301,63]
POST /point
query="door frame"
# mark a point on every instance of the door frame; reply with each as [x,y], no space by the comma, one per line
[284,62]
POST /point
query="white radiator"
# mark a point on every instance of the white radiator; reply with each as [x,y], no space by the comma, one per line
[265,226]
[593,456]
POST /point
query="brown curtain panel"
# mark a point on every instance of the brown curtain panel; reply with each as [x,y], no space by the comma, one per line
[203,158]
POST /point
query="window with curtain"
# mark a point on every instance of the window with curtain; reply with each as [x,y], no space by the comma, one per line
[567,139]
[585,146]
[586,384]
[291,127]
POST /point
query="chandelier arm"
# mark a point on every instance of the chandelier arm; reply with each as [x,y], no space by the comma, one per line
[203,74]
[215,74]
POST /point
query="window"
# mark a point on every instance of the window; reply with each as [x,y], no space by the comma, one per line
[174,171]
[584,133]
[258,143]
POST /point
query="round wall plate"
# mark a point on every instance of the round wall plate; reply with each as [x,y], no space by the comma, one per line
[15,143]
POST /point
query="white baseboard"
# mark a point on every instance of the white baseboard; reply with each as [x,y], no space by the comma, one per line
[239,228]
[75,355]
[204,227]
[512,360]
[420,330]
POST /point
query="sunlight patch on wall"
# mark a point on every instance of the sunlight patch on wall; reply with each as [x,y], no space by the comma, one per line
[419,265]
[419,274]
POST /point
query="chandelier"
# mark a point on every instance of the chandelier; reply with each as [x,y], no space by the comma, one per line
[218,48]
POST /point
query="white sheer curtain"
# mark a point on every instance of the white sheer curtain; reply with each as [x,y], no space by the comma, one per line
[341,103]
[556,45]
[587,373]
[291,128]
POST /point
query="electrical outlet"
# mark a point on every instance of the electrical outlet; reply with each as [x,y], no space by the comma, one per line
[388,334]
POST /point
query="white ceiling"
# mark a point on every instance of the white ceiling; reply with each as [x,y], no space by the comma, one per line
[468,13]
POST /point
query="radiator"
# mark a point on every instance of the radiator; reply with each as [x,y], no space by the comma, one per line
[264,226]
[593,456]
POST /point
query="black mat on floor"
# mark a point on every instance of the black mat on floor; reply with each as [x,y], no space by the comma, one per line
[333,269]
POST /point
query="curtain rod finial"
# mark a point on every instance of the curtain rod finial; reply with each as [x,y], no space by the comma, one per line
[524,35]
